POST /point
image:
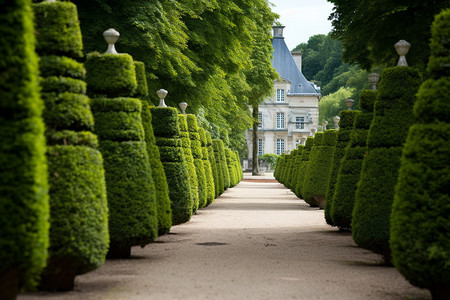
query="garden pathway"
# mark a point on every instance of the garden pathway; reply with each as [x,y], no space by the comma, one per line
[256,241]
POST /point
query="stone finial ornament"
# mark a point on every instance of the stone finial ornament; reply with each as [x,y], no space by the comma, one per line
[402,48]
[183,106]
[302,140]
[162,94]
[373,80]
[336,122]
[349,103]
[313,131]
[324,124]
[111,36]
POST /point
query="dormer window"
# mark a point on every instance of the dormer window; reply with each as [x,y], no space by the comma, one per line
[280,95]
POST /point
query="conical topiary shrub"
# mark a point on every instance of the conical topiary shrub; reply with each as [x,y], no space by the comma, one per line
[342,140]
[166,130]
[297,160]
[279,167]
[420,227]
[303,166]
[79,213]
[290,170]
[214,167]
[129,183]
[24,209]
[351,163]
[196,147]
[188,157]
[164,211]
[210,189]
[319,167]
[392,118]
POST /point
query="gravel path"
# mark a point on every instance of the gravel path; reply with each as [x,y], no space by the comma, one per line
[256,241]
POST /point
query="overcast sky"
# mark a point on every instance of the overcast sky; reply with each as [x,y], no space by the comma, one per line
[302,18]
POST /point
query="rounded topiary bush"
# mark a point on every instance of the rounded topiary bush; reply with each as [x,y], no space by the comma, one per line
[375,192]
[166,129]
[351,163]
[196,147]
[163,209]
[58,29]
[319,167]
[212,160]
[110,75]
[24,209]
[342,140]
[79,213]
[419,233]
[303,166]
[219,165]
[210,189]
[193,178]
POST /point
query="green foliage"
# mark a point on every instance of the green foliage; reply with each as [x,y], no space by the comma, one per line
[58,29]
[79,212]
[419,233]
[342,140]
[331,105]
[118,119]
[239,170]
[61,84]
[165,121]
[70,137]
[141,80]
[110,75]
[303,166]
[220,166]
[387,133]
[363,30]
[131,193]
[196,148]
[296,166]
[351,164]
[210,189]
[231,169]
[189,159]
[214,167]
[53,65]
[270,159]
[319,168]
[67,111]
[290,169]
[24,207]
[165,128]
[164,211]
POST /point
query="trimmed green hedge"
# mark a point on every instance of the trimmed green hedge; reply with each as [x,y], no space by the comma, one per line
[375,191]
[319,168]
[419,235]
[110,75]
[164,211]
[70,137]
[351,163]
[79,214]
[220,167]
[223,162]
[53,65]
[297,160]
[342,140]
[210,189]
[212,160]
[190,165]
[231,168]
[165,126]
[23,173]
[141,79]
[58,29]
[198,159]
[303,166]
[62,84]
[239,170]
[67,111]
[290,169]
[118,119]
[131,196]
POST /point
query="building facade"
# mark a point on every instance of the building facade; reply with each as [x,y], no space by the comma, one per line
[293,109]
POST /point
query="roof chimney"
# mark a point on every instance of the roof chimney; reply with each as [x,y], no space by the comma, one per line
[278,32]
[297,55]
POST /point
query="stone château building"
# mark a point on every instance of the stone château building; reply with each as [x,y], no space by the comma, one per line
[292,110]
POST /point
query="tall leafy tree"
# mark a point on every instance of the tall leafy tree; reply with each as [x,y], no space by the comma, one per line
[369,29]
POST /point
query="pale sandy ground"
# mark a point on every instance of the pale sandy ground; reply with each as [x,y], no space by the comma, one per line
[256,241]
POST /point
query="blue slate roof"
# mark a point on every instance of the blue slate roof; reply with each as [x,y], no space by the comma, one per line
[284,64]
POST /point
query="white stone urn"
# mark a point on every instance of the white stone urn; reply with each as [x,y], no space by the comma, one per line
[324,124]
[313,131]
[336,122]
[302,140]
[183,106]
[402,48]
[349,103]
[111,36]
[373,80]
[162,95]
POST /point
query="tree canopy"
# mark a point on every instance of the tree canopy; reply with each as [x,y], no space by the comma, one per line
[369,29]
